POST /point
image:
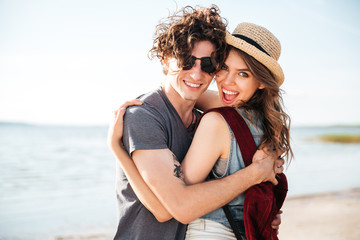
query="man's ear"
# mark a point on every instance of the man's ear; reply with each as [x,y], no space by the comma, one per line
[165,61]
[170,64]
[165,64]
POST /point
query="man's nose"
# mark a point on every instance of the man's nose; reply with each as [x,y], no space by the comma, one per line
[196,72]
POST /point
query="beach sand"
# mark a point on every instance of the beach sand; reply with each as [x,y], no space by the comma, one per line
[330,216]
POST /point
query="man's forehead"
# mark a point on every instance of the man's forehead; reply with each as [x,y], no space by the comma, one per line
[203,48]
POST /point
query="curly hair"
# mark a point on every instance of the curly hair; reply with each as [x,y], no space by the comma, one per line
[175,35]
[268,105]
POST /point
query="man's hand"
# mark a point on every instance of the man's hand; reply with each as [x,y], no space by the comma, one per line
[269,164]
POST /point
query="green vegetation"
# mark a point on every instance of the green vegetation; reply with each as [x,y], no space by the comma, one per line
[341,138]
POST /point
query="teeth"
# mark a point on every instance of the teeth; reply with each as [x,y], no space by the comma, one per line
[228,92]
[192,84]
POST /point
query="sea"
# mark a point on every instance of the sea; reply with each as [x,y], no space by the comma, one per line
[58,181]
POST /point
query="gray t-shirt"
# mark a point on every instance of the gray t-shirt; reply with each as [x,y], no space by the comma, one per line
[153,125]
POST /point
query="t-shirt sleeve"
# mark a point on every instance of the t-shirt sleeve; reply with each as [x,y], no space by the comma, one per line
[143,129]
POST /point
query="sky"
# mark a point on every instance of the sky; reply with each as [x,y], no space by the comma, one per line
[72,62]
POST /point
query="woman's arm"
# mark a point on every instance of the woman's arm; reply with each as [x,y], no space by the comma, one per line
[209,99]
[141,189]
[211,141]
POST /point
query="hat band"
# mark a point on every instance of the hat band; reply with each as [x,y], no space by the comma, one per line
[251,42]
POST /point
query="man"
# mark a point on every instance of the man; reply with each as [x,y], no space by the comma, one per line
[191,47]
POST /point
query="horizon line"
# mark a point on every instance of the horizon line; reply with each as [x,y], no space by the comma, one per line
[24,123]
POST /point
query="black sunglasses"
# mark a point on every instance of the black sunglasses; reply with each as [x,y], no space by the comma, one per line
[206,64]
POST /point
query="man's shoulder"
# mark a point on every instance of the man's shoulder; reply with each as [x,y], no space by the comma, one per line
[154,98]
[148,96]
[145,125]
[154,103]
[152,108]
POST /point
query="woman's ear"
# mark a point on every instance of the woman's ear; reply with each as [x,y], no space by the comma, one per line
[261,86]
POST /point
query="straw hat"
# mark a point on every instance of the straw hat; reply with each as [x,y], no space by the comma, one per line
[259,43]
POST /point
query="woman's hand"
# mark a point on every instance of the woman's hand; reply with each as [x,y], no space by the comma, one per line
[117,124]
[270,163]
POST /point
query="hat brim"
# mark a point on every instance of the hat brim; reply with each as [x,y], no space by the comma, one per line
[262,57]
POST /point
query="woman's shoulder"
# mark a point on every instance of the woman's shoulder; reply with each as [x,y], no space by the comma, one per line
[213,121]
[214,129]
[212,117]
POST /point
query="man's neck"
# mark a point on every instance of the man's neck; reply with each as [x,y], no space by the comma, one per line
[182,106]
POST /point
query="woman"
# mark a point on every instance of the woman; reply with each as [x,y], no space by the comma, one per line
[249,81]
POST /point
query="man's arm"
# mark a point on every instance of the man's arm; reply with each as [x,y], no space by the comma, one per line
[187,203]
[142,191]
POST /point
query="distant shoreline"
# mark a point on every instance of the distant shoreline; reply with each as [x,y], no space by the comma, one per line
[19,123]
[328,126]
[340,138]
[345,193]
[28,124]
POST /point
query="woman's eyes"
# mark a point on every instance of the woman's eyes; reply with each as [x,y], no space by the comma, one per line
[243,74]
[223,67]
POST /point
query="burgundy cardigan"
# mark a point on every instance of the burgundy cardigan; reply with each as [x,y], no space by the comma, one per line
[262,201]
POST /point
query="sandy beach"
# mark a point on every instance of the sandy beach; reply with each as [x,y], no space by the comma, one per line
[330,216]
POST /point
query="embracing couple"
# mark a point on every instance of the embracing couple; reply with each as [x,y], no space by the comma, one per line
[176,171]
